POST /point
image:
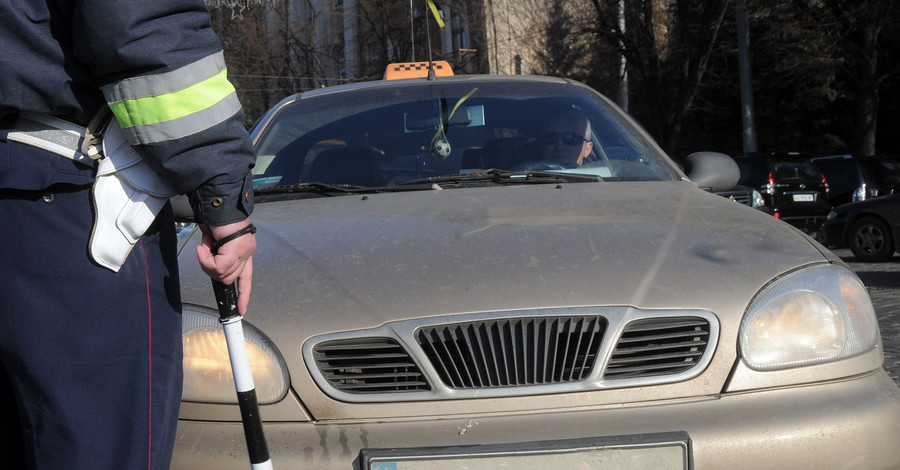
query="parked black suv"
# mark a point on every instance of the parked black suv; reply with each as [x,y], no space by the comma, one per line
[852,179]
[792,186]
[747,196]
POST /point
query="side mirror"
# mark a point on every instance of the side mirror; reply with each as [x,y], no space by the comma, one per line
[712,171]
[181,206]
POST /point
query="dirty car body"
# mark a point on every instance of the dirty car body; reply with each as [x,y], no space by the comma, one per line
[430,293]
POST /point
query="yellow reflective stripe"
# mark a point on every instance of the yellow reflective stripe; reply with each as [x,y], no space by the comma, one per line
[174,105]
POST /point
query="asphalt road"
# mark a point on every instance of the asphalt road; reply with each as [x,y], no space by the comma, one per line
[883,283]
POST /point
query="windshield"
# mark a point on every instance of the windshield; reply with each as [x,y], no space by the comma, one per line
[377,136]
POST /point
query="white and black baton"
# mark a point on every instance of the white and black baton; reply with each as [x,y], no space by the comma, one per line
[226,299]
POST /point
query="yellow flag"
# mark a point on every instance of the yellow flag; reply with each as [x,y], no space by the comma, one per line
[436,13]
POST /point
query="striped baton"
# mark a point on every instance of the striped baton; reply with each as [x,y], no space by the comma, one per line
[226,299]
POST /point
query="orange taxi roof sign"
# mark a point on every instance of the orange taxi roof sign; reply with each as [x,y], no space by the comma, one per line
[401,70]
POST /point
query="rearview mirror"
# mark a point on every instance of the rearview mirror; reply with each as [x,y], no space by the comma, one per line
[712,171]
[465,116]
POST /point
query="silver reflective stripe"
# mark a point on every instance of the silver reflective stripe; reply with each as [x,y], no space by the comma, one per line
[184,126]
[49,133]
[166,82]
[139,102]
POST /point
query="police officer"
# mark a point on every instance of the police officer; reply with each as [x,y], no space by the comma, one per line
[90,349]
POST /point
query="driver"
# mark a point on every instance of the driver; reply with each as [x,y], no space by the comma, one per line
[567,139]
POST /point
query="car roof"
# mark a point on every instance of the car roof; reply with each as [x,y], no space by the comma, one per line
[381,83]
[774,155]
[832,157]
[424,81]
[878,156]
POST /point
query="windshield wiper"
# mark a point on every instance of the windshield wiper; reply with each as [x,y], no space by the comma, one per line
[478,178]
[321,189]
[495,176]
[313,189]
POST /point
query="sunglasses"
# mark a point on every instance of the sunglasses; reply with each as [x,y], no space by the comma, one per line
[568,138]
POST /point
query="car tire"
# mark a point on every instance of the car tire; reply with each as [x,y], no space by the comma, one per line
[870,240]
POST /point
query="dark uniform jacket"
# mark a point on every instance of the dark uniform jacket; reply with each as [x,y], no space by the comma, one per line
[159,67]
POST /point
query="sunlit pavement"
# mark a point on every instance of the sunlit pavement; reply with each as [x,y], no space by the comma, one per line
[883,283]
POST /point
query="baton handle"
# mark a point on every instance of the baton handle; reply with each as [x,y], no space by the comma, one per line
[226,299]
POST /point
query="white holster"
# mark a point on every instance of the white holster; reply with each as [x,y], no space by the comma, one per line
[127,195]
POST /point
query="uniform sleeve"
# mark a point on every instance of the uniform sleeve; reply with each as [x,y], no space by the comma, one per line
[161,70]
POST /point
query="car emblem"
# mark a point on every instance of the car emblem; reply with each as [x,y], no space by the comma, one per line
[802,186]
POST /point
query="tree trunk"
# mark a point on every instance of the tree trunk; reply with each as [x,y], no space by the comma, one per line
[867,97]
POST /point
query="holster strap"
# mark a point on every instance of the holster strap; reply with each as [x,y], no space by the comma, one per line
[49,133]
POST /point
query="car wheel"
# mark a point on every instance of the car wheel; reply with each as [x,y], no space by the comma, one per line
[870,240]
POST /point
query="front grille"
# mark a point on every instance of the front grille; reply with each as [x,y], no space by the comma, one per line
[741,197]
[368,365]
[658,346]
[503,354]
[513,352]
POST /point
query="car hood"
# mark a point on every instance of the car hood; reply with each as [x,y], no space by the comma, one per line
[343,263]
[885,205]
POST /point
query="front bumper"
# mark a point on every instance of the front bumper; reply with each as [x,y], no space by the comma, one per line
[848,424]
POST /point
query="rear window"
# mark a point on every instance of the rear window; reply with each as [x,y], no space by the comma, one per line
[796,170]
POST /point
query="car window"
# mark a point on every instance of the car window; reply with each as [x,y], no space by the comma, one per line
[882,172]
[843,177]
[796,170]
[839,171]
[382,136]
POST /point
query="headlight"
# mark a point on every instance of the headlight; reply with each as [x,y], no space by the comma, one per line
[758,200]
[207,367]
[812,316]
[859,194]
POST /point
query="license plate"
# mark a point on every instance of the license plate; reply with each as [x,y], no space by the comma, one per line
[671,454]
[804,197]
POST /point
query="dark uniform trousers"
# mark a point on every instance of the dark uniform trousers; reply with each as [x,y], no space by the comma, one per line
[90,360]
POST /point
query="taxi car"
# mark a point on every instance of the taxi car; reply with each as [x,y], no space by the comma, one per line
[435,290]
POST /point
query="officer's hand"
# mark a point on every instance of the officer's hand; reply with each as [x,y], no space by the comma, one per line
[234,261]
